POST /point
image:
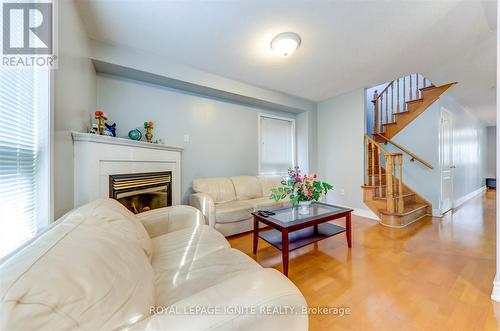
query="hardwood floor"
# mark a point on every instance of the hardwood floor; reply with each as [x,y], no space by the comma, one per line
[436,274]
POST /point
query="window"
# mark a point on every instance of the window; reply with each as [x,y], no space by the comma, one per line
[24,154]
[276,144]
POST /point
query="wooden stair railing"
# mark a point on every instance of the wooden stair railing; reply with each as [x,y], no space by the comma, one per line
[390,176]
[413,156]
[394,99]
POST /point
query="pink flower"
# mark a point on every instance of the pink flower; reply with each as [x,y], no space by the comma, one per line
[314,176]
[308,193]
[298,179]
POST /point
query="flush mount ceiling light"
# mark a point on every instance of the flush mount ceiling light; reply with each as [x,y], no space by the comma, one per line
[285,43]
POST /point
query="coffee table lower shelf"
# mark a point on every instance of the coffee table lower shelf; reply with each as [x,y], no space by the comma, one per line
[301,238]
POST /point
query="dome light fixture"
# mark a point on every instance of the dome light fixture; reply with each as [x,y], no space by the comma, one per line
[285,43]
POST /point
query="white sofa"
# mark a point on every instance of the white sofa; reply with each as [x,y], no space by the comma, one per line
[103,268]
[228,202]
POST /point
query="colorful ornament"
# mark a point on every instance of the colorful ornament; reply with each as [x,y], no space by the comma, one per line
[135,134]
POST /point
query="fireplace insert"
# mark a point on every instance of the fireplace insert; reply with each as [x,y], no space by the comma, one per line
[142,192]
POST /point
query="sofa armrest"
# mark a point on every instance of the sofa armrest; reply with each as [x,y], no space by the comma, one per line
[168,219]
[205,204]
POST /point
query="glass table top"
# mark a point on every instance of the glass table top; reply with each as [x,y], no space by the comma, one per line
[289,216]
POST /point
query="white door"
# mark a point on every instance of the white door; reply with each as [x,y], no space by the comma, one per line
[446,160]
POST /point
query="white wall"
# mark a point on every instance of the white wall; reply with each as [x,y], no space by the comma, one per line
[74,100]
[341,128]
[491,151]
[151,63]
[223,136]
[469,146]
[306,127]
[421,137]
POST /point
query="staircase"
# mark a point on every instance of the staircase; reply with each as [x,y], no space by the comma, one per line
[403,100]
[385,193]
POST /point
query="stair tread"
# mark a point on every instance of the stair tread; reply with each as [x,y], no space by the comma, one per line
[390,123]
[402,112]
[430,87]
[415,100]
[404,195]
[405,192]
[408,209]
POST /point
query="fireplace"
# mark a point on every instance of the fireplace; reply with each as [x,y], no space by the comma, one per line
[142,192]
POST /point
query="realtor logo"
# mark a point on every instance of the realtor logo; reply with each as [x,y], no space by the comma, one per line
[27,28]
[29,34]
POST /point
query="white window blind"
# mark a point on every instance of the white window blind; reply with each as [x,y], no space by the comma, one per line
[277,140]
[24,154]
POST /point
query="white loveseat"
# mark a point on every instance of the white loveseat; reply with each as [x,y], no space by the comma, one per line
[228,202]
[103,268]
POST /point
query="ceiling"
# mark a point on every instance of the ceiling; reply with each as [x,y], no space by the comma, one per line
[345,44]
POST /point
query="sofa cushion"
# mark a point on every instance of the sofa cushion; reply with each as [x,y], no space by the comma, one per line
[265,203]
[246,187]
[268,183]
[262,287]
[173,249]
[88,272]
[193,276]
[233,211]
[219,189]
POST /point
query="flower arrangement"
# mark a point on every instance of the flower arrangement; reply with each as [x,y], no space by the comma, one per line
[300,187]
[149,131]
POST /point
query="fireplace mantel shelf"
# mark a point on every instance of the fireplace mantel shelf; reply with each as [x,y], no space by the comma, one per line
[95,138]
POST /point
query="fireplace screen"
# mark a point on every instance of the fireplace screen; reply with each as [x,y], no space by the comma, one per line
[142,192]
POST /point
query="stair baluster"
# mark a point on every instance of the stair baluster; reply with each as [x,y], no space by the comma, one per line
[373,164]
[386,120]
[375,112]
[379,156]
[417,92]
[411,88]
[405,105]
[399,109]
[392,103]
[386,108]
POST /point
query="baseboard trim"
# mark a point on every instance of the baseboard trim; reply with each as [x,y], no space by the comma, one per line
[366,213]
[436,213]
[467,197]
[361,212]
[495,293]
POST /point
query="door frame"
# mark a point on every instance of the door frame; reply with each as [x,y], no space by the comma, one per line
[441,165]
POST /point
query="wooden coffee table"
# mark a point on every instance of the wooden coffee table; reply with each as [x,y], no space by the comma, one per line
[291,230]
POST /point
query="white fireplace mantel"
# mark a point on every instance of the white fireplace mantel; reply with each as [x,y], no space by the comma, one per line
[96,157]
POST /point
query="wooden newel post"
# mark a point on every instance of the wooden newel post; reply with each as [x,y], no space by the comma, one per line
[367,142]
[389,184]
[375,112]
[400,186]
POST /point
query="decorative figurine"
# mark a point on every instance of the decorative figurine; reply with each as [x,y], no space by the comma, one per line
[149,131]
[135,134]
[101,118]
[110,129]
[94,129]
